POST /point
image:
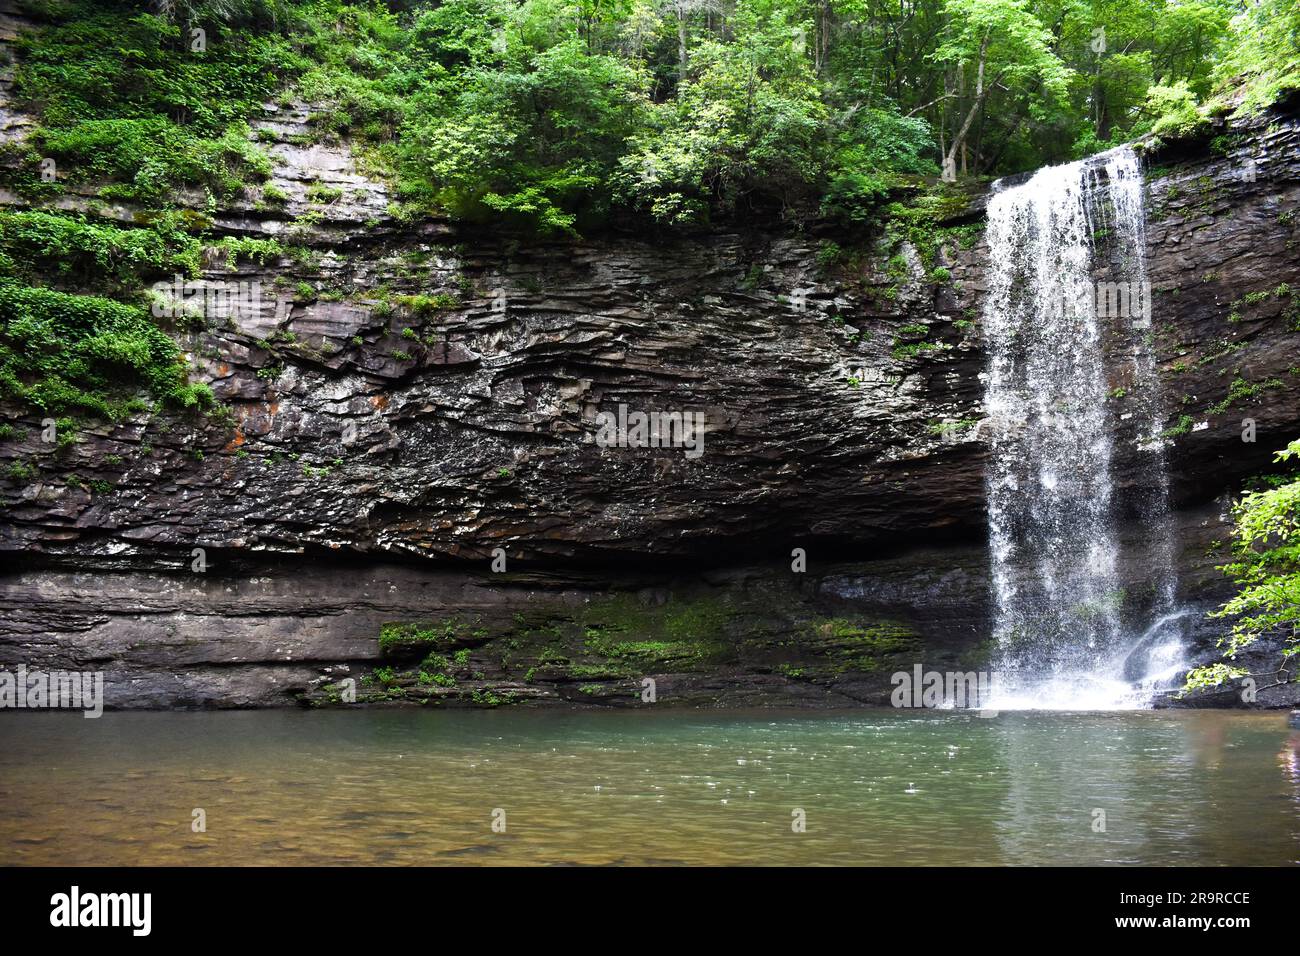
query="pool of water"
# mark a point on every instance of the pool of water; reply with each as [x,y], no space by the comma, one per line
[874,787]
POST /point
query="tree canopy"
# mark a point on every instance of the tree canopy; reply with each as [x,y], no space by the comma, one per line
[564,115]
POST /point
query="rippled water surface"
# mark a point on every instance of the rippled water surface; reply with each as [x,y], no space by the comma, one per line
[877,787]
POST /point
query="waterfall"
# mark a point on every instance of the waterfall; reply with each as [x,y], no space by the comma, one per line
[1066,317]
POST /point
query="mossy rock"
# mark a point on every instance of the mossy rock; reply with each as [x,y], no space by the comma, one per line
[405,638]
[677,635]
[850,644]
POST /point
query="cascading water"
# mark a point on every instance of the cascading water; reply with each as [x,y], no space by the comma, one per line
[1068,300]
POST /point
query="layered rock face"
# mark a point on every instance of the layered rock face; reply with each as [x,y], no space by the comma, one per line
[414,490]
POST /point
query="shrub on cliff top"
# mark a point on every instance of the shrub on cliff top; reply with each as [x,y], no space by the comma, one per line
[121,96]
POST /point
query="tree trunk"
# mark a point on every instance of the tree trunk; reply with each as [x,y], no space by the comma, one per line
[823,39]
[959,140]
[681,48]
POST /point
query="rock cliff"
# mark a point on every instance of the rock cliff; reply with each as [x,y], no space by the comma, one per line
[409,490]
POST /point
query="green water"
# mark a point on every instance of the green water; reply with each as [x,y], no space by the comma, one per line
[876,787]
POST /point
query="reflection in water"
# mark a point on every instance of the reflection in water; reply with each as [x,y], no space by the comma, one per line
[877,787]
[1208,738]
[1125,789]
[1289,758]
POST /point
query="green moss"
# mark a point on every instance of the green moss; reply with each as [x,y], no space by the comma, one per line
[426,305]
[320,193]
[917,221]
[21,471]
[1241,390]
[951,427]
[602,671]
[1183,426]
[855,644]
[273,195]
[913,349]
[981,656]
[606,642]
[679,634]
[405,636]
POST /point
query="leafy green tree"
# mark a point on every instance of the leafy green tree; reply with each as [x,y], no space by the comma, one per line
[989,43]
[747,120]
[1264,53]
[534,137]
[1266,566]
[872,147]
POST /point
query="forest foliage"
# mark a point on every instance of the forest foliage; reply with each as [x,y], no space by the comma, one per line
[568,115]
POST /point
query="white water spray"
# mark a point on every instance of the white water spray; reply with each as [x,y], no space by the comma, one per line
[1067,313]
